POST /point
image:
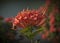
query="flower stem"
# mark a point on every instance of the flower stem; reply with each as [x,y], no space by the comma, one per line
[31,41]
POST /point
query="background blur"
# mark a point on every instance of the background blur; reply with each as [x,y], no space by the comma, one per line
[10,8]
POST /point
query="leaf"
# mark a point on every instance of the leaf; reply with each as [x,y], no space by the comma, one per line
[37,31]
[58,18]
[29,33]
[25,30]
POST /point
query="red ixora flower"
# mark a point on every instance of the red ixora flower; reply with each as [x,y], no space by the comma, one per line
[52,29]
[27,18]
[44,36]
[8,19]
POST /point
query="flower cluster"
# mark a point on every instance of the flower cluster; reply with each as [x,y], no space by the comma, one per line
[30,18]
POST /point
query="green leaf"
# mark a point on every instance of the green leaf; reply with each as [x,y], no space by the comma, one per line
[29,33]
[25,30]
[37,31]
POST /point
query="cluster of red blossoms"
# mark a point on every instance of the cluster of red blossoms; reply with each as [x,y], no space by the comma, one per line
[32,17]
[29,18]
